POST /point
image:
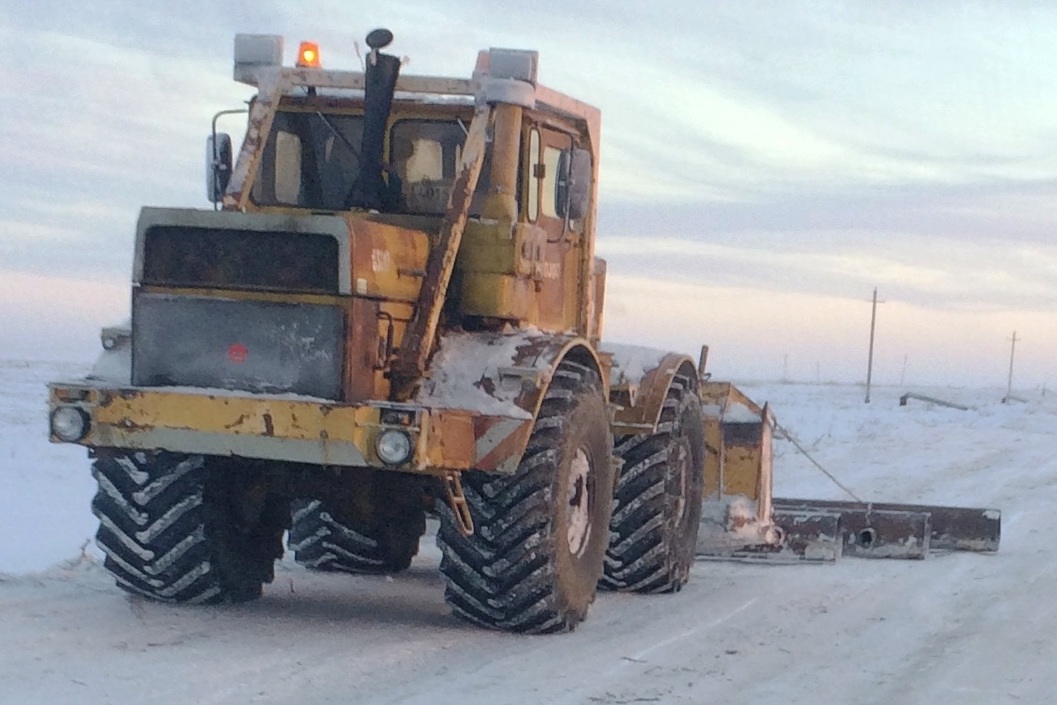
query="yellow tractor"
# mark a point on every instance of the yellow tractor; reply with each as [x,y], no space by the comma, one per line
[393,309]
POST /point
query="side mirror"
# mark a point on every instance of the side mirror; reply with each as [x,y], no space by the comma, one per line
[218,165]
[574,183]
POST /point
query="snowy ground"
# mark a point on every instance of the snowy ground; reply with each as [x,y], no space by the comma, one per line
[954,628]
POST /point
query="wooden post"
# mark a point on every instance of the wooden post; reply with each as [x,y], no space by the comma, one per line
[869,359]
[1009,383]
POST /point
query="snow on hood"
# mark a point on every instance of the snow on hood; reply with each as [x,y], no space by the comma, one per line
[473,371]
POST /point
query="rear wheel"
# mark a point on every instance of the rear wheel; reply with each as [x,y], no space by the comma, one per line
[534,561]
[186,528]
[657,504]
[323,540]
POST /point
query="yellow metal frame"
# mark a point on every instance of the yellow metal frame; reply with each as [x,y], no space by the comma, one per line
[275,428]
[638,404]
[738,446]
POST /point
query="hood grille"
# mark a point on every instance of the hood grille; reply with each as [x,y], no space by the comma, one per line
[240,259]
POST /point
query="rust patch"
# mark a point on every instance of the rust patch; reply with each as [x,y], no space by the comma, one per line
[454,441]
[237,422]
[130,425]
[269,429]
[529,353]
[486,384]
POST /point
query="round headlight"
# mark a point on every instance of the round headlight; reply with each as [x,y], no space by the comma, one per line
[69,424]
[393,446]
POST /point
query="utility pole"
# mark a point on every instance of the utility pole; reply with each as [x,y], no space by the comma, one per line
[869,361]
[1009,384]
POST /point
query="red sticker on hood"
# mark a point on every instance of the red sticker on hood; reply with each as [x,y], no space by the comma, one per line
[238,353]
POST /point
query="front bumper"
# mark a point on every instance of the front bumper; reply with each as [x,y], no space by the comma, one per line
[288,427]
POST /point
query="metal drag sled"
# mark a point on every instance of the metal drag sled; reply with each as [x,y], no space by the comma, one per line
[743,520]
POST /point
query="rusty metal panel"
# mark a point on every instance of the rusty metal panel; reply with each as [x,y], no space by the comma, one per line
[262,114]
[363,350]
[418,341]
[730,530]
[500,202]
[741,470]
[639,381]
[765,471]
[950,528]
[219,411]
[386,260]
[489,248]
[596,305]
[499,443]
[723,397]
[498,296]
[738,437]
[255,346]
[453,441]
[714,458]
[811,536]
[579,110]
[276,427]
[809,533]
[886,534]
[874,534]
[354,80]
[223,423]
[501,379]
[965,528]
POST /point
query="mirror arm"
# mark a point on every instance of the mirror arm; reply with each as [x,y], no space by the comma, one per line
[215,166]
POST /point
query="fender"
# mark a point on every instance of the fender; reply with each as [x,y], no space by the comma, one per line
[501,378]
[639,381]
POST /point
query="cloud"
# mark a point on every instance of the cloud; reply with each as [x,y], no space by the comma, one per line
[761,150]
[757,333]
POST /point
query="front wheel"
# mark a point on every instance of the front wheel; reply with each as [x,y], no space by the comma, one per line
[541,534]
[186,528]
[322,539]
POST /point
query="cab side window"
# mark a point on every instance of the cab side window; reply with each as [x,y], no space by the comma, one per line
[533,205]
[549,184]
[548,154]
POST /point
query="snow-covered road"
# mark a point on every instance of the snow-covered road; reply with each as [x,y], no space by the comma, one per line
[954,628]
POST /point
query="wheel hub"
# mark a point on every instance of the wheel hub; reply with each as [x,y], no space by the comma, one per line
[679,461]
[578,505]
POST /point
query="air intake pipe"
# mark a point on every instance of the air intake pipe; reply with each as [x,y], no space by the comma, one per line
[379,85]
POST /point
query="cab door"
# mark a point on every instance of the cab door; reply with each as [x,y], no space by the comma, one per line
[556,242]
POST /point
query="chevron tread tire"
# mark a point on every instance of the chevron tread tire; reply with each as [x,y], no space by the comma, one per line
[533,564]
[657,503]
[321,541]
[168,529]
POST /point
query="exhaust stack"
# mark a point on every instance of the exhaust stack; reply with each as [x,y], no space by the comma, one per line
[381,72]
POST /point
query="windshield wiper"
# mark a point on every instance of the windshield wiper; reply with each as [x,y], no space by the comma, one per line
[334,131]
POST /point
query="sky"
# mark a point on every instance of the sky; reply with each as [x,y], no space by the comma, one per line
[765,165]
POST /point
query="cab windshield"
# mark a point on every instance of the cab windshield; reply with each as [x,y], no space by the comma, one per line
[312,160]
